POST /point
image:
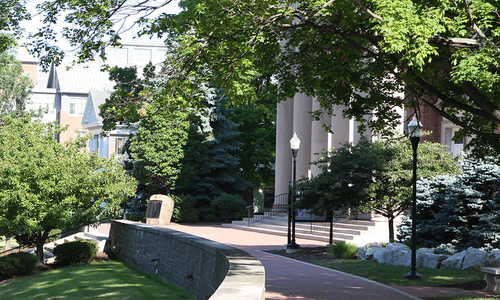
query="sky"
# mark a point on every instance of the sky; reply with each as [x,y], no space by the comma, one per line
[33,25]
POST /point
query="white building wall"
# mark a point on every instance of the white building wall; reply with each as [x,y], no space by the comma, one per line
[293,115]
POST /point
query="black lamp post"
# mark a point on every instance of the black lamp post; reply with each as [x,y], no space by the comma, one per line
[414,131]
[292,247]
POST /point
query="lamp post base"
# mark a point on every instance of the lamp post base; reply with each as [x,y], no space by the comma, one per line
[413,275]
[292,247]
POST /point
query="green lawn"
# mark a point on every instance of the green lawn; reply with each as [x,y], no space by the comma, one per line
[13,243]
[110,280]
[393,275]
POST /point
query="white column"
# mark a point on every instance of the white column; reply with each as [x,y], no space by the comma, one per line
[341,129]
[284,132]
[319,138]
[302,123]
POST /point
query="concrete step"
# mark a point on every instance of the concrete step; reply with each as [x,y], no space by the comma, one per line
[308,229]
[358,232]
[48,248]
[284,233]
[339,225]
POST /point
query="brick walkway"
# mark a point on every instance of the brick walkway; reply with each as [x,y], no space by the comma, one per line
[291,279]
[295,280]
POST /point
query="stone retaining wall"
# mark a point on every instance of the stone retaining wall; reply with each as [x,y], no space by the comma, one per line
[207,269]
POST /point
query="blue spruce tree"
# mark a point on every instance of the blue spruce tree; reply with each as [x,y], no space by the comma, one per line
[454,213]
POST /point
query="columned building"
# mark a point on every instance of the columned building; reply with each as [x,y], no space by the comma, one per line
[293,116]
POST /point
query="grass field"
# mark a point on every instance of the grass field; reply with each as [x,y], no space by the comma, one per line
[393,275]
[110,280]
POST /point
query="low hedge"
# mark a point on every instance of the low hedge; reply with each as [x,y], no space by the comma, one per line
[17,264]
[75,252]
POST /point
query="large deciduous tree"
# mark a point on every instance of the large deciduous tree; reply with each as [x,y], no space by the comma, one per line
[356,54]
[372,176]
[45,185]
[15,87]
[12,13]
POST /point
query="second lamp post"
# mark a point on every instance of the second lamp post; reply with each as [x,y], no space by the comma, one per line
[292,247]
[414,131]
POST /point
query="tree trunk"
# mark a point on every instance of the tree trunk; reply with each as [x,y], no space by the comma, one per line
[40,241]
[391,229]
[39,248]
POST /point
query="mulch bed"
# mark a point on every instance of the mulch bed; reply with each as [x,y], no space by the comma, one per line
[307,254]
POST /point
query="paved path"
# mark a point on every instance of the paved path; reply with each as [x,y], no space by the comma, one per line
[291,279]
[295,280]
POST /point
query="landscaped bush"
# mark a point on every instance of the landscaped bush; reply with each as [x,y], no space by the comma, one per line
[184,209]
[455,213]
[17,264]
[227,205]
[75,252]
[342,250]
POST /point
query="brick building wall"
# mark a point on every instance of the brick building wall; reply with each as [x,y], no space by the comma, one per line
[74,124]
[431,121]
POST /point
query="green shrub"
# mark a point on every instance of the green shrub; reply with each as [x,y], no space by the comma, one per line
[184,209]
[228,204]
[75,252]
[17,264]
[342,250]
[136,218]
[211,218]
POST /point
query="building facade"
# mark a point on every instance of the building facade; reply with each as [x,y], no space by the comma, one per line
[70,95]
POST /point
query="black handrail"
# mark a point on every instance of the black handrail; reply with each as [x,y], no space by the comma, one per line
[267,208]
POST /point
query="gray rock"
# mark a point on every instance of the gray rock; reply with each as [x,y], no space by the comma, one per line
[397,246]
[383,256]
[454,261]
[420,253]
[401,258]
[494,258]
[473,257]
[366,252]
[431,260]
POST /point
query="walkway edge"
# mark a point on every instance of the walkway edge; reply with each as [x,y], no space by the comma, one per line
[337,271]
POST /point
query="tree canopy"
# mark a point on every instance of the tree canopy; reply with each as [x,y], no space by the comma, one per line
[373,176]
[357,54]
[45,185]
[15,87]
[12,13]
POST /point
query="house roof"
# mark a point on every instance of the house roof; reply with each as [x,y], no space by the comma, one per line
[91,113]
[81,77]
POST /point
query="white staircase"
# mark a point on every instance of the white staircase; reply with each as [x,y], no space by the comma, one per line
[359,232]
[48,249]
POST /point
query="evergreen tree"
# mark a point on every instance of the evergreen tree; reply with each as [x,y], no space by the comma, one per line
[455,213]
[210,165]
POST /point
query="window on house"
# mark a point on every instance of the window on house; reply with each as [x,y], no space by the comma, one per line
[77,106]
[94,144]
[117,56]
[160,56]
[119,144]
[142,56]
